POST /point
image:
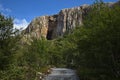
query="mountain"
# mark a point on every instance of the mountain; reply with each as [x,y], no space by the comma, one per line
[53,26]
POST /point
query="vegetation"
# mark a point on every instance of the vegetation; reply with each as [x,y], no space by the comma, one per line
[9,38]
[92,49]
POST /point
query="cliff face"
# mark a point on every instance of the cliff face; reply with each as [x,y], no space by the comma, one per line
[57,25]
[53,26]
[43,26]
[68,19]
[38,27]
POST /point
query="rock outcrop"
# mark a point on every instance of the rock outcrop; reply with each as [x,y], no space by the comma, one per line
[53,26]
[43,26]
[68,19]
[57,25]
[38,27]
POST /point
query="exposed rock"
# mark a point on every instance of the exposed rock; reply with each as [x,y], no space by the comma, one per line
[53,26]
[68,19]
[57,25]
[38,27]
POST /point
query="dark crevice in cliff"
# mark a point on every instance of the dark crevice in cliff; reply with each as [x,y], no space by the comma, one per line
[52,24]
[49,35]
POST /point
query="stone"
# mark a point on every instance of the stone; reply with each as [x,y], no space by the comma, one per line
[53,26]
[38,27]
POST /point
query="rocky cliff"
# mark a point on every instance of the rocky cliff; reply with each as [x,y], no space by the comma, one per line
[53,26]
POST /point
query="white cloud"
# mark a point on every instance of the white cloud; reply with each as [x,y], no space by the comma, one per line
[2,9]
[20,23]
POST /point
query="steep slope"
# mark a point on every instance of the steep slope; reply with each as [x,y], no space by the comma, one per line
[51,27]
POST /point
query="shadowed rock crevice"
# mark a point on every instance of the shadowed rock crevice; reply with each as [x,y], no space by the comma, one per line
[52,25]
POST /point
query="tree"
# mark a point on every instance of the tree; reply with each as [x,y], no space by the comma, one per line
[8,40]
[99,45]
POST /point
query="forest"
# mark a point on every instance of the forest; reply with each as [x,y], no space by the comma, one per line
[93,49]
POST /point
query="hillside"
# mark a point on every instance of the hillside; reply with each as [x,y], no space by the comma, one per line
[53,26]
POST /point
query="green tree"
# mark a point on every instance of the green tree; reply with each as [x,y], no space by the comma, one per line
[34,57]
[8,40]
[99,45]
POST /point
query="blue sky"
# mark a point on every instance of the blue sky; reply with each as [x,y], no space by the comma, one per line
[25,10]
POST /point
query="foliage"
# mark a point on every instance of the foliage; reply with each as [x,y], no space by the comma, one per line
[99,45]
[92,49]
[9,38]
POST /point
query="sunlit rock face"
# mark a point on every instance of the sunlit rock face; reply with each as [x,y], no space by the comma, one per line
[57,25]
[38,27]
[51,27]
[43,26]
[68,19]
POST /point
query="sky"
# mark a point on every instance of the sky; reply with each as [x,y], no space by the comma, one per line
[24,11]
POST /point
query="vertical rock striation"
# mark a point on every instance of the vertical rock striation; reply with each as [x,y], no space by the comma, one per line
[51,27]
[68,19]
[38,27]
